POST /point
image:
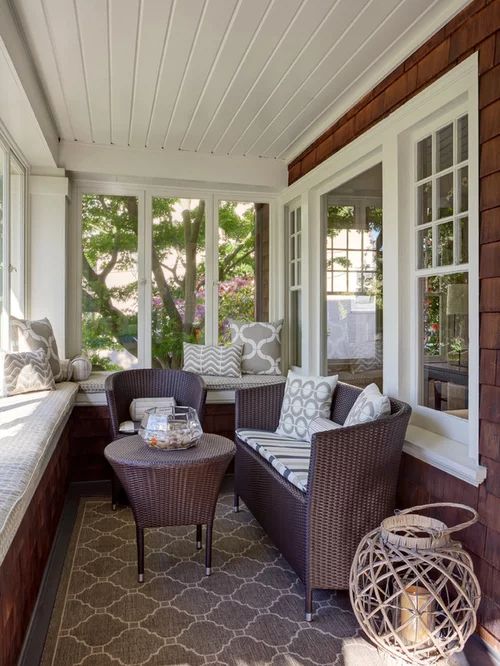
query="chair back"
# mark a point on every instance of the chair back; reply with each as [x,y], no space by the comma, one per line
[122,387]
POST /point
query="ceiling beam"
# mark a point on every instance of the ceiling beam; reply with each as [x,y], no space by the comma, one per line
[24,110]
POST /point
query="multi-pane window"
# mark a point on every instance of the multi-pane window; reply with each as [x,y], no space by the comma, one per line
[351,248]
[12,207]
[146,286]
[295,285]
[442,243]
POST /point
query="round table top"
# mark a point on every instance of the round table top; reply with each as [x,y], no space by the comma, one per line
[135,452]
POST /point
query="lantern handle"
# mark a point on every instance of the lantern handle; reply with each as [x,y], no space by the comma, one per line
[454,505]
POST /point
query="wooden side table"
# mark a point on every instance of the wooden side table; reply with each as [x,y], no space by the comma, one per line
[167,488]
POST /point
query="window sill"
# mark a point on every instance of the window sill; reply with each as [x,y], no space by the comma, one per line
[445,454]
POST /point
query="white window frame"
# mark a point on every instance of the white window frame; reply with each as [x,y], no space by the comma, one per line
[12,154]
[290,239]
[389,143]
[145,193]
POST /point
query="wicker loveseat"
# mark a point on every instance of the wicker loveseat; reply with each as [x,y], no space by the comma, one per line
[351,485]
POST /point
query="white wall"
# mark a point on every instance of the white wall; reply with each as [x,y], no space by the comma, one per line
[47,275]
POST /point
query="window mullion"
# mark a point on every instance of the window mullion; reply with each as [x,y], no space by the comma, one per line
[211,270]
[145,273]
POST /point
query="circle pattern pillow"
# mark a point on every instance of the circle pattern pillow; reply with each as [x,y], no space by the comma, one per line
[305,399]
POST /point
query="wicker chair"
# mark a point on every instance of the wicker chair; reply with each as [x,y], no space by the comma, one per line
[352,482]
[121,388]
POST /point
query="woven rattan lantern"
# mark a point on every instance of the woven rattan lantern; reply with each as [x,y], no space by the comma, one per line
[413,589]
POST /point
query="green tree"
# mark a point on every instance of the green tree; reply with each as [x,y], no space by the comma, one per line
[110,303]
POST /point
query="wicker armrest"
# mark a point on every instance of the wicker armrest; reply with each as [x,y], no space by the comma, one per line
[352,482]
[259,407]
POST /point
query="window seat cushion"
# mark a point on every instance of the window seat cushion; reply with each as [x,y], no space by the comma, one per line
[30,427]
[220,389]
[218,383]
[289,456]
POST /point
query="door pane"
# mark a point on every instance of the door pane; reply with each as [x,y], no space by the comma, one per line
[109,280]
[178,278]
[2,266]
[353,248]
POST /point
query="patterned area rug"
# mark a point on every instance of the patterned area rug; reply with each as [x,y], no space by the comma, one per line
[249,612]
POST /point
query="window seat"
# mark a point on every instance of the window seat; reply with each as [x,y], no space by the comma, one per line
[220,389]
[30,427]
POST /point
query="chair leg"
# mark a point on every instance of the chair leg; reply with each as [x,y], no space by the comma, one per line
[115,490]
[198,537]
[140,553]
[236,503]
[309,604]
[208,551]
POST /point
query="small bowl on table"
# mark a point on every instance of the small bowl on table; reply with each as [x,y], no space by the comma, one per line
[170,428]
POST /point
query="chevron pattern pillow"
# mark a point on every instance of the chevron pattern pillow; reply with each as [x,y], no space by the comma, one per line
[211,360]
[24,372]
[31,335]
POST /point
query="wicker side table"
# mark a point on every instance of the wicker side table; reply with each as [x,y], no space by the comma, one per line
[167,488]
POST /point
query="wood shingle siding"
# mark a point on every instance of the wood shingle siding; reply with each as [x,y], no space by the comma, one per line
[476,28]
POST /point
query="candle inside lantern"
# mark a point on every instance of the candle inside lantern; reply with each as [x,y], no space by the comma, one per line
[416,616]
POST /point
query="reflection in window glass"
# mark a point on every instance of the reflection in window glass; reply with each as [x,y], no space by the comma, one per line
[444,148]
[424,194]
[445,244]
[109,280]
[354,265]
[424,240]
[178,278]
[445,195]
[462,139]
[424,158]
[463,183]
[445,334]
[463,245]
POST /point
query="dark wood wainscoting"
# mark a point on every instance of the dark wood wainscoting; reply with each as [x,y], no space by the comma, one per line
[90,433]
[22,570]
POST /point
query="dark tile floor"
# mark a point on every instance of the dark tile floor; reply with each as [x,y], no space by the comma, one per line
[475,654]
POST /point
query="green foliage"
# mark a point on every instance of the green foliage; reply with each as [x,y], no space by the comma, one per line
[109,282]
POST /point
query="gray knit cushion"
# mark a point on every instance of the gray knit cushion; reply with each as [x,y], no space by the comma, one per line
[261,346]
[31,335]
[24,372]
[208,360]
[306,398]
[369,406]
[81,368]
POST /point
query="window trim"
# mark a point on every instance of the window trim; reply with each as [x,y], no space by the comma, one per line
[384,143]
[12,154]
[145,193]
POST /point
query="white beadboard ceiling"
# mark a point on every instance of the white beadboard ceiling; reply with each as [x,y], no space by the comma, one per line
[229,77]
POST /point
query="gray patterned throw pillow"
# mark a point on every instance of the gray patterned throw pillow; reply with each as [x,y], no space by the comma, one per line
[261,346]
[209,360]
[369,406]
[24,372]
[31,335]
[306,399]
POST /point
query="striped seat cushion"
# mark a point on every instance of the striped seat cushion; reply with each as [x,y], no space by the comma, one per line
[288,456]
